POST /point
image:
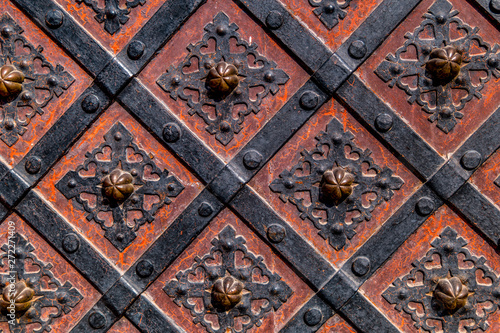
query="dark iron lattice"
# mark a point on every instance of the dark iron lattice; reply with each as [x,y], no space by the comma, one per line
[49,293]
[261,73]
[306,176]
[434,32]
[119,140]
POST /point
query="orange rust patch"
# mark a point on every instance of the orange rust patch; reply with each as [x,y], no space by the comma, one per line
[336,324]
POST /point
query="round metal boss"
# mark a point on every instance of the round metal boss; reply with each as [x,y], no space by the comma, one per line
[91,103]
[135,49]
[171,132]
[33,164]
[471,160]
[54,18]
[425,206]
[144,268]
[205,209]
[71,243]
[97,320]
[274,19]
[383,122]
[313,317]
[276,233]
[357,49]
[309,100]
[361,266]
[252,159]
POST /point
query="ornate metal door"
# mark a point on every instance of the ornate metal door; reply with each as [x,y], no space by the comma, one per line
[230,166]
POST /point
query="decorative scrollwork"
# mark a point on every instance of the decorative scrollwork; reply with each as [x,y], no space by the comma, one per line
[226,288]
[223,79]
[449,292]
[335,183]
[22,84]
[31,289]
[330,12]
[437,52]
[120,186]
[112,14]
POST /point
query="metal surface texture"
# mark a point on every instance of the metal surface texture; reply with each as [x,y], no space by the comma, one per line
[231,166]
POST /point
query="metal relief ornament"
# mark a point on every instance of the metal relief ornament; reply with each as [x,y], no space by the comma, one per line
[223,79]
[449,292]
[24,88]
[443,68]
[120,185]
[228,288]
[334,184]
[112,14]
[35,288]
[330,12]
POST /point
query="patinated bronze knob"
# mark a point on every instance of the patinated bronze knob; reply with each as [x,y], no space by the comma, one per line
[452,293]
[227,293]
[22,295]
[11,81]
[444,63]
[118,185]
[336,185]
[223,78]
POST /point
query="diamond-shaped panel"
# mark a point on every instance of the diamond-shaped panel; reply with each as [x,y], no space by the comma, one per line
[487,178]
[336,324]
[122,214]
[220,38]
[444,250]
[123,325]
[228,251]
[302,179]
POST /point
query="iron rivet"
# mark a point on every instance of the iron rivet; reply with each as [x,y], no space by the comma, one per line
[205,209]
[133,172]
[97,320]
[313,317]
[120,237]
[72,183]
[71,243]
[337,229]
[176,81]
[425,206]
[52,81]
[269,76]
[329,8]
[9,124]
[252,159]
[493,62]
[171,132]
[309,100]
[225,126]
[357,49]
[54,18]
[135,49]
[440,19]
[274,19]
[91,103]
[221,30]
[403,294]
[361,266]
[383,122]
[7,31]
[289,184]
[118,136]
[495,6]
[33,165]
[171,187]
[276,233]
[471,160]
[144,268]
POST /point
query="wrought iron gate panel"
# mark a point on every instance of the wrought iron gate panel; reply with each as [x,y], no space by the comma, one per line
[250,165]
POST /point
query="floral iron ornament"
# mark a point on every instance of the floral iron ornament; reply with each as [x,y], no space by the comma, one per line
[330,12]
[223,79]
[22,85]
[120,186]
[449,293]
[112,14]
[443,66]
[336,184]
[228,290]
[29,293]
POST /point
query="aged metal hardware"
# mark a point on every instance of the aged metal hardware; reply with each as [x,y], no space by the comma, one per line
[454,56]
[112,14]
[32,294]
[345,185]
[114,182]
[18,73]
[228,290]
[448,293]
[218,74]
[330,11]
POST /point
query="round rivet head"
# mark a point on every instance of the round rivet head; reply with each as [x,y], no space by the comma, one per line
[33,164]
[361,266]
[495,6]
[425,206]
[205,209]
[71,243]
[274,19]
[357,49]
[91,103]
[144,268]
[383,122]
[276,233]
[171,132]
[252,159]
[54,18]
[135,49]
[313,317]
[471,160]
[309,100]
[97,320]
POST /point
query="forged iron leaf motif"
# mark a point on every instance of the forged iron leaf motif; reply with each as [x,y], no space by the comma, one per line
[330,12]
